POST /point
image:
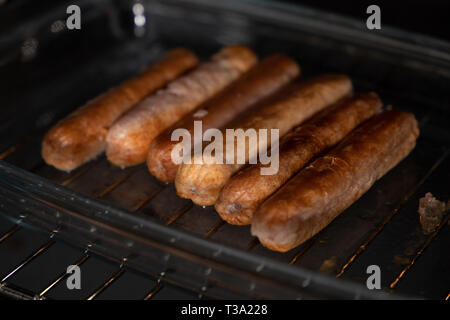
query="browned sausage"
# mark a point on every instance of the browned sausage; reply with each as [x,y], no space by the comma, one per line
[202,182]
[246,190]
[317,194]
[129,138]
[264,79]
[80,136]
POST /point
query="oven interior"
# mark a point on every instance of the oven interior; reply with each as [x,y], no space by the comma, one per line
[137,238]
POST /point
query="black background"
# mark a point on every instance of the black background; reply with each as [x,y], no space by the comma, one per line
[430,17]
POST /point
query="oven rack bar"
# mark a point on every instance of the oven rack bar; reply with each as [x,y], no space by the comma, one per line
[17,292]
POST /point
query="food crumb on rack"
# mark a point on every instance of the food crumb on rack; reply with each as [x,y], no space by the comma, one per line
[431,212]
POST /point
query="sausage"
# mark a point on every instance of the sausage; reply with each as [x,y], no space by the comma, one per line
[246,190]
[261,81]
[129,138]
[317,194]
[80,136]
[202,182]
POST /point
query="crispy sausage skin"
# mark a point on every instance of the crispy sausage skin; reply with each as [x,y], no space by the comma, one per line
[246,190]
[80,136]
[261,81]
[202,182]
[317,194]
[129,138]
